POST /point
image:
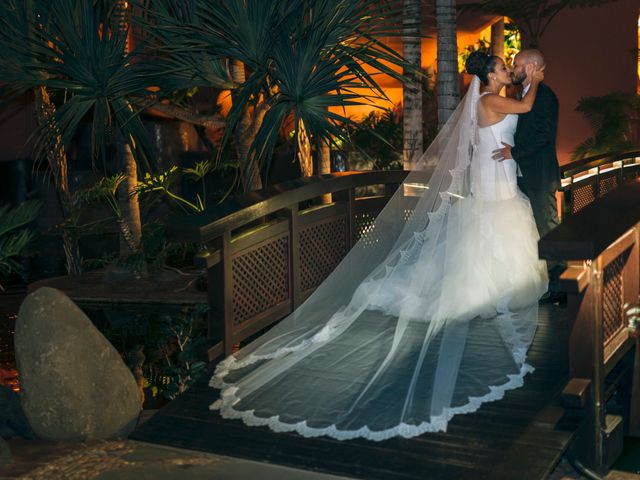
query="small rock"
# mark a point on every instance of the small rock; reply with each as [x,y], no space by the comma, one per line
[12,419]
[74,384]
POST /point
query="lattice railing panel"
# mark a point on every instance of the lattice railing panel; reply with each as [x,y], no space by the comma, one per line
[613,297]
[607,184]
[364,228]
[260,279]
[582,196]
[407,212]
[322,246]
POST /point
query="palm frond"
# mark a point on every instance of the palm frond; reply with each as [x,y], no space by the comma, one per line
[302,58]
[13,218]
[15,237]
[610,116]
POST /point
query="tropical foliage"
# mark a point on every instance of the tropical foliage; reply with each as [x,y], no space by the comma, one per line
[167,347]
[303,61]
[78,51]
[15,236]
[376,142]
[481,45]
[611,117]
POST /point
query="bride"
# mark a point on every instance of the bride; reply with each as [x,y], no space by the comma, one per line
[433,310]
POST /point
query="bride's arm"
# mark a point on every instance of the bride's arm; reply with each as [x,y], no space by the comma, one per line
[504,105]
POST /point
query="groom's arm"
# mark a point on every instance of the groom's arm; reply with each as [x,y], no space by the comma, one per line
[543,130]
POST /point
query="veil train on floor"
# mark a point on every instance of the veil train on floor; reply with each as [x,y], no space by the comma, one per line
[411,328]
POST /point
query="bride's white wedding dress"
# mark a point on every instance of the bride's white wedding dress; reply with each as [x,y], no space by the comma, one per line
[438,324]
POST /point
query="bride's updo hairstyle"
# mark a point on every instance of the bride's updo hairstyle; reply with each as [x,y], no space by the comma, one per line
[482,65]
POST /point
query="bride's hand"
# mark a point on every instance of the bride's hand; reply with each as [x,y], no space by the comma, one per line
[538,75]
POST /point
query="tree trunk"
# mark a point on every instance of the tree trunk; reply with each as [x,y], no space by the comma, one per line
[497,38]
[244,136]
[412,85]
[448,90]
[57,160]
[304,150]
[130,223]
[323,164]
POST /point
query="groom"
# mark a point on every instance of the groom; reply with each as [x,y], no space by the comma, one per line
[535,147]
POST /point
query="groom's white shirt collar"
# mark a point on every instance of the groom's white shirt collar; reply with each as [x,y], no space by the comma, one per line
[525,90]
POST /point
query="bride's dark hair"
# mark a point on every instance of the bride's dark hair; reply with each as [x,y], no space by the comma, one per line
[481,64]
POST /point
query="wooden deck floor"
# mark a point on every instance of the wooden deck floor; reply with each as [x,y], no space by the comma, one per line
[514,438]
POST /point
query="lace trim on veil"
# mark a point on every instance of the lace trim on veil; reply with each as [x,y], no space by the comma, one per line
[517,341]
[228,398]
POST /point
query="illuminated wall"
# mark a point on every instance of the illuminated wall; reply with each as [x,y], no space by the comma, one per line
[590,52]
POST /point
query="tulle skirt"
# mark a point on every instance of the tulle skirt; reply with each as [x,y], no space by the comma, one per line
[436,335]
[491,265]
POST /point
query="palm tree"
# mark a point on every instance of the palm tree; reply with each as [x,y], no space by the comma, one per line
[75,58]
[130,221]
[412,86]
[532,16]
[612,117]
[300,60]
[447,83]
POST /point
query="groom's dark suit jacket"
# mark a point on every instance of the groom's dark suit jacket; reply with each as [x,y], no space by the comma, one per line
[535,144]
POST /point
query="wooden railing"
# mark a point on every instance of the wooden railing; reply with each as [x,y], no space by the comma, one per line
[267,252]
[585,180]
[601,243]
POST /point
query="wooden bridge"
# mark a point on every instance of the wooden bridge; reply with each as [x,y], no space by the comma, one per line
[268,251]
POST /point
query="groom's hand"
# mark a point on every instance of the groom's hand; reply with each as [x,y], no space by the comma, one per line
[503,153]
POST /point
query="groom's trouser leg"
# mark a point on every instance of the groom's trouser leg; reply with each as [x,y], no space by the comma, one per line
[545,212]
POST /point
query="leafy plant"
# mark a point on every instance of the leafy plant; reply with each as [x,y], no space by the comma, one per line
[289,62]
[162,183]
[79,51]
[15,236]
[481,45]
[377,140]
[611,117]
[512,42]
[172,345]
[182,350]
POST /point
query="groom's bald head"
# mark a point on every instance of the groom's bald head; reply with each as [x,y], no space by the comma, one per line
[531,55]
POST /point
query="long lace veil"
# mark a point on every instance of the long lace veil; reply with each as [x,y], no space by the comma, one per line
[387,345]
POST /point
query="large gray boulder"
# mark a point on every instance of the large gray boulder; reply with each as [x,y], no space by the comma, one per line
[74,384]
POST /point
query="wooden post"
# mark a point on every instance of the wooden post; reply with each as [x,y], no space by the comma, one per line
[634,410]
[565,204]
[598,409]
[497,38]
[211,259]
[294,257]
[347,196]
[634,414]
[582,337]
[227,287]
